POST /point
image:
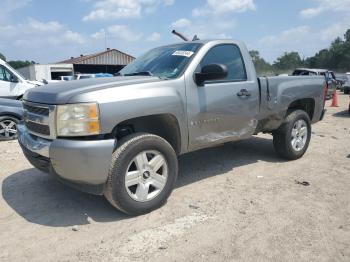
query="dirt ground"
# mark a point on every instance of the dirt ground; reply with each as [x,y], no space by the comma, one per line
[237,202]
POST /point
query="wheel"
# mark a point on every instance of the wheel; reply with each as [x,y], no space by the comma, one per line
[292,138]
[8,128]
[142,175]
[346,91]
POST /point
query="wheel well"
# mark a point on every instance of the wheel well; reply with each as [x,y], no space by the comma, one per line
[307,105]
[11,115]
[164,125]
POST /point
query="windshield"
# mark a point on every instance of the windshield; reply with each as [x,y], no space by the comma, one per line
[14,71]
[165,62]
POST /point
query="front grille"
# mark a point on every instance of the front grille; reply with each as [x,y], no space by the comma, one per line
[37,109]
[38,119]
[37,128]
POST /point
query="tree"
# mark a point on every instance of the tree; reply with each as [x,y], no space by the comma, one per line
[19,63]
[262,67]
[288,61]
[2,57]
[347,35]
[336,57]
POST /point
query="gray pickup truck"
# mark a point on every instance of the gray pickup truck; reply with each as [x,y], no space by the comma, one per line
[121,136]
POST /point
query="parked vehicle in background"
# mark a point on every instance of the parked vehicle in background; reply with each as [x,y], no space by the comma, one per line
[346,86]
[341,79]
[66,78]
[86,76]
[305,72]
[46,82]
[83,76]
[12,84]
[329,76]
[60,79]
[121,136]
[103,75]
[11,113]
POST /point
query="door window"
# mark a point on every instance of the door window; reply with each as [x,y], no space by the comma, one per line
[229,55]
[5,75]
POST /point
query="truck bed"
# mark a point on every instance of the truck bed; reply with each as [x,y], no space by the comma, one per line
[277,94]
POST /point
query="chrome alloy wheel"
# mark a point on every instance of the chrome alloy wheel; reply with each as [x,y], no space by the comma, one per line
[299,135]
[146,176]
[8,129]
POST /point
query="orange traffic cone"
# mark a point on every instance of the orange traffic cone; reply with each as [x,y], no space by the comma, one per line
[335,99]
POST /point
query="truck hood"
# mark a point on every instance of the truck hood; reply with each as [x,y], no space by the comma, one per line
[61,93]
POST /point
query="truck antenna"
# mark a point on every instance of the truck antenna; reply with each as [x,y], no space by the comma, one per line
[180,35]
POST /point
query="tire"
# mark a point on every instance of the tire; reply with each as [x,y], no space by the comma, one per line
[126,198]
[346,91]
[283,136]
[8,134]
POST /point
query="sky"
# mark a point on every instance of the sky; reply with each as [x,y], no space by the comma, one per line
[48,31]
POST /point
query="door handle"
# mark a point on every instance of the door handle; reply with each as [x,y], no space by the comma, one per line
[244,93]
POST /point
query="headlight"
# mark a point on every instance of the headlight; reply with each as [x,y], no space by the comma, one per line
[78,120]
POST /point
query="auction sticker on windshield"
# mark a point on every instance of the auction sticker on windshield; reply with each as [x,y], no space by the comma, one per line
[183,53]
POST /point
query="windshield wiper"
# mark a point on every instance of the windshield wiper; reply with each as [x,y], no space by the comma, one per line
[143,73]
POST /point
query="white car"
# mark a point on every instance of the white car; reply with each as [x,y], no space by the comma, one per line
[12,84]
[66,78]
[83,76]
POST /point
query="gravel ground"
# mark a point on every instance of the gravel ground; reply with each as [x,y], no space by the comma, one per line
[237,202]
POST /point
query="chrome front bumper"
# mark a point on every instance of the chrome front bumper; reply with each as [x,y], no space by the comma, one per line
[35,144]
[85,162]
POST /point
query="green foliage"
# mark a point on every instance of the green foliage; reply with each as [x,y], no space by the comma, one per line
[262,67]
[284,64]
[336,57]
[19,64]
[288,61]
[347,35]
[2,57]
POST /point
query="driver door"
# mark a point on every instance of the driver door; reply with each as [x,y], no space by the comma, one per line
[216,111]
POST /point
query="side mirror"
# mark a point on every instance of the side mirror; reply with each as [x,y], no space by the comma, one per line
[14,79]
[211,72]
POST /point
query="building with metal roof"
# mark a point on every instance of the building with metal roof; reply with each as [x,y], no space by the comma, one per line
[109,61]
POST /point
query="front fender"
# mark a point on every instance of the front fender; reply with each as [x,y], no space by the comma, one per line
[128,102]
